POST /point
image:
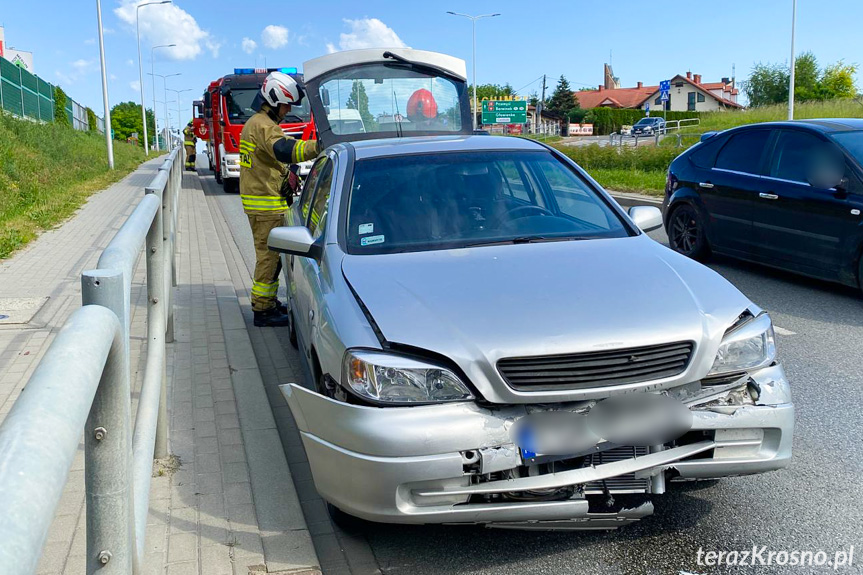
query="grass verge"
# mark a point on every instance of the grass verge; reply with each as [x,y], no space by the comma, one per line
[47,172]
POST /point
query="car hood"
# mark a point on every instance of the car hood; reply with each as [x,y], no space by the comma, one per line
[475,306]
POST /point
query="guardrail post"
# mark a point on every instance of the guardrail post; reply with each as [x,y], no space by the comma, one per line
[157,302]
[108,444]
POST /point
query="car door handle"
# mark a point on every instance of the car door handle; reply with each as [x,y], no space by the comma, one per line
[768,196]
[707,185]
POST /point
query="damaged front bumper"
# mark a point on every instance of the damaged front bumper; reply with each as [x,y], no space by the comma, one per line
[453,463]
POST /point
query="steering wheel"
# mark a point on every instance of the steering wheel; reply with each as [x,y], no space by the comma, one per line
[510,214]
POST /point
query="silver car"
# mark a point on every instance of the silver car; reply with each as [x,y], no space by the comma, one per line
[488,337]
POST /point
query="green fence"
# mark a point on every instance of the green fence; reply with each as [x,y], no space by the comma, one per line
[24,94]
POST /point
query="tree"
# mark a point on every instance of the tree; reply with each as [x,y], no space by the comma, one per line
[126,120]
[768,83]
[562,100]
[60,99]
[359,100]
[92,121]
[492,91]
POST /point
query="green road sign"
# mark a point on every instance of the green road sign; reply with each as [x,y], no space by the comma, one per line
[504,112]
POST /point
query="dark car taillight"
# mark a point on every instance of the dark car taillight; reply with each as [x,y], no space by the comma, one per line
[670,183]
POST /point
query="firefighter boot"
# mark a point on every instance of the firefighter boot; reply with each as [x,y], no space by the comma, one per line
[272,318]
[283,309]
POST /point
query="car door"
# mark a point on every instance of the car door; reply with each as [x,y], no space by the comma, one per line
[297,283]
[731,188]
[307,270]
[795,223]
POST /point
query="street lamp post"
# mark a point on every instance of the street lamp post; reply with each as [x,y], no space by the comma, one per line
[164,78]
[179,112]
[473,20]
[152,70]
[108,141]
[791,75]
[141,69]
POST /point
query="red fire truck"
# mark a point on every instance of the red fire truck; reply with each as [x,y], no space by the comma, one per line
[226,106]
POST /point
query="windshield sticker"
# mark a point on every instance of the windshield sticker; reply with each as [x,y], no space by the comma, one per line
[366,229]
[371,240]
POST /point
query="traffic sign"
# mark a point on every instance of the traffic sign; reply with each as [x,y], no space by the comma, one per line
[665,86]
[663,96]
[504,112]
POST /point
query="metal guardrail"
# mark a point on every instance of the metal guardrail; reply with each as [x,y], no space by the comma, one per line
[83,383]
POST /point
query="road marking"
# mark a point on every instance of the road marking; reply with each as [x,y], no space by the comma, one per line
[783,331]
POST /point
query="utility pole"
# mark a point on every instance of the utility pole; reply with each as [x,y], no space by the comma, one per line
[152,72]
[539,106]
[108,141]
[791,75]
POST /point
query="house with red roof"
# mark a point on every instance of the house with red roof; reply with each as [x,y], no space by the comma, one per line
[688,92]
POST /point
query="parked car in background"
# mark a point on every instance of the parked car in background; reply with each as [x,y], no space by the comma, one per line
[648,127]
[785,194]
[489,338]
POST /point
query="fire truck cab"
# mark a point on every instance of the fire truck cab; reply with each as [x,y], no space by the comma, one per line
[227,104]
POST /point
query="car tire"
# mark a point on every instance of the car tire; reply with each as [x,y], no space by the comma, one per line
[231,185]
[218,175]
[686,235]
[346,521]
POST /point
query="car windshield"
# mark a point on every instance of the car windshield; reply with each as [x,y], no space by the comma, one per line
[445,201]
[390,99]
[645,121]
[238,102]
[852,142]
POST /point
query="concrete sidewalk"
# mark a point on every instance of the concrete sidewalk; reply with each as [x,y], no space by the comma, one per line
[229,506]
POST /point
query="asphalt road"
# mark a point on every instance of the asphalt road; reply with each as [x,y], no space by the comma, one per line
[815,504]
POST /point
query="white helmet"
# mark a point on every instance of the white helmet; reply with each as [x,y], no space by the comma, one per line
[279,88]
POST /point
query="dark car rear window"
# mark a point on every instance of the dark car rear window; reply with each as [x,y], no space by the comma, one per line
[743,152]
[704,154]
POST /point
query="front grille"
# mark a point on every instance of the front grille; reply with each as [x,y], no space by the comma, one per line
[596,369]
[626,483]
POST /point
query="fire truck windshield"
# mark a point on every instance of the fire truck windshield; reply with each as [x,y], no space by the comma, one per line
[238,103]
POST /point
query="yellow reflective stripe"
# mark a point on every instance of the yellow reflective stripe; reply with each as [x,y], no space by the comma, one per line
[247,145]
[265,289]
[264,200]
[299,150]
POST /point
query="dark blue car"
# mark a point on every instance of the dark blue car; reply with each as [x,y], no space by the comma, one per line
[785,194]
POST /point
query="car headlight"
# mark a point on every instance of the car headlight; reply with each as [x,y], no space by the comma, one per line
[750,346]
[386,378]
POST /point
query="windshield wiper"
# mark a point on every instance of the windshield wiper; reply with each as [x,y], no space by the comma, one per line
[528,240]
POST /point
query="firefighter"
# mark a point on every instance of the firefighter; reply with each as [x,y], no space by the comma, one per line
[265,153]
[189,141]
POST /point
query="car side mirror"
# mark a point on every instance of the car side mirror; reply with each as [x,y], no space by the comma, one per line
[294,240]
[647,218]
[325,97]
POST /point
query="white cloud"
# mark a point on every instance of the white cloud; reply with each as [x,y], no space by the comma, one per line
[89,41]
[130,62]
[274,37]
[107,31]
[135,85]
[367,33]
[75,71]
[249,45]
[170,24]
[112,77]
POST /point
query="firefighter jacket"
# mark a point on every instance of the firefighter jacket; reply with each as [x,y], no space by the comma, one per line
[189,136]
[264,153]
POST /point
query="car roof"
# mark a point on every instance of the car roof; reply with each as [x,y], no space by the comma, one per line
[824,125]
[440,144]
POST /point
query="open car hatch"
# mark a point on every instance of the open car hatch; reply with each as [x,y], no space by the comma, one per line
[387,93]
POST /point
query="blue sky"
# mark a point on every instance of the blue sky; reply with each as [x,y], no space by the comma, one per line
[526,41]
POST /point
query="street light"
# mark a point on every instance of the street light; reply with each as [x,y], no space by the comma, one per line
[152,70]
[141,69]
[791,75]
[179,112]
[164,78]
[473,20]
[109,143]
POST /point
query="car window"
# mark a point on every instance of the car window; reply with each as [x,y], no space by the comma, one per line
[793,155]
[309,187]
[422,202]
[574,198]
[743,152]
[704,154]
[318,213]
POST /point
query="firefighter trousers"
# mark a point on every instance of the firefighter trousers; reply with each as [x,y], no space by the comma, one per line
[268,264]
[190,156]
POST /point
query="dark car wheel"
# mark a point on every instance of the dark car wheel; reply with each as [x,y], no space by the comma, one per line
[218,175]
[686,233]
[231,185]
[292,330]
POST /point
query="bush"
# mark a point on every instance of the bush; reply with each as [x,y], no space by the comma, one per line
[608,120]
[642,158]
[47,173]
[92,121]
[60,115]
